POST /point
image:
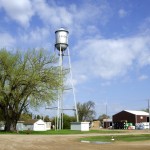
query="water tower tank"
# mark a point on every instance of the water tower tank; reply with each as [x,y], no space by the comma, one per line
[61,39]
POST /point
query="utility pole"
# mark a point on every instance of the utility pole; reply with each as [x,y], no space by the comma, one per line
[106,110]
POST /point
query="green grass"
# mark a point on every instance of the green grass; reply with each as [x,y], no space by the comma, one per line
[63,132]
[125,138]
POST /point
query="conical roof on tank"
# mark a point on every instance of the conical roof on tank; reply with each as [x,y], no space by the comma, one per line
[61,29]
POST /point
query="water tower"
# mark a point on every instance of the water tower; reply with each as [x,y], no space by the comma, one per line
[61,39]
[63,50]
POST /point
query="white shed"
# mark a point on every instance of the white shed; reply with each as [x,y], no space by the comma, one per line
[48,125]
[81,126]
[35,125]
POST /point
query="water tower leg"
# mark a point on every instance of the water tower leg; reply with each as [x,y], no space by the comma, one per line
[60,90]
[74,96]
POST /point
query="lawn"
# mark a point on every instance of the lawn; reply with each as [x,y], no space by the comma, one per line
[63,132]
[125,138]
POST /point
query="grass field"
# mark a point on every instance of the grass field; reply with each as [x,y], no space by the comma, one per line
[70,140]
[125,138]
[53,132]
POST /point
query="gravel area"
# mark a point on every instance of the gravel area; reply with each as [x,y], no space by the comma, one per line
[63,142]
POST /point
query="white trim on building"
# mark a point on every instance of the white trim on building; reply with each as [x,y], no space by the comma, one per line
[137,112]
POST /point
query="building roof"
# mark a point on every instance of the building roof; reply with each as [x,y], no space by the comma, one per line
[143,113]
[30,122]
[107,120]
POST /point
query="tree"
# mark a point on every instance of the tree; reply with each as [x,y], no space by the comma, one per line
[66,121]
[86,111]
[28,79]
[38,117]
[25,116]
[46,118]
[103,116]
[1,116]
[146,110]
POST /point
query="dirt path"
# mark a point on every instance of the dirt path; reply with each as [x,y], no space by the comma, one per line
[62,142]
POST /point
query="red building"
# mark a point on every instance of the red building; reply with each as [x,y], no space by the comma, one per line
[129,116]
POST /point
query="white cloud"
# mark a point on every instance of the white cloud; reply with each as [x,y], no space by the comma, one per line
[73,17]
[18,10]
[79,79]
[7,41]
[87,16]
[122,13]
[110,58]
[54,14]
[91,12]
[35,35]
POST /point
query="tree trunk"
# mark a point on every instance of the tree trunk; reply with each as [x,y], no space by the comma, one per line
[10,125]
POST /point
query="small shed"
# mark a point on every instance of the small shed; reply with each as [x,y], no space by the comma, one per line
[20,125]
[80,126]
[48,125]
[129,116]
[35,125]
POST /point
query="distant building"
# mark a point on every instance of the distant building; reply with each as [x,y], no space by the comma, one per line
[95,124]
[130,118]
[107,123]
[48,125]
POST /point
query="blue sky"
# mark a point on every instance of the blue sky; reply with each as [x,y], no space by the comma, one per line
[109,42]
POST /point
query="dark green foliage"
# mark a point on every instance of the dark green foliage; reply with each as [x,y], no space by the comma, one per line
[67,119]
[38,117]
[47,119]
[25,117]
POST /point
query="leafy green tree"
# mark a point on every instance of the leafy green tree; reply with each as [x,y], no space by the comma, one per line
[38,117]
[26,79]
[66,121]
[86,111]
[25,116]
